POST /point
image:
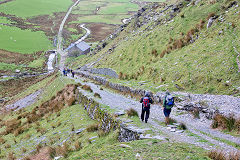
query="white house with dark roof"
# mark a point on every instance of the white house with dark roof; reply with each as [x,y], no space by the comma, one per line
[77,49]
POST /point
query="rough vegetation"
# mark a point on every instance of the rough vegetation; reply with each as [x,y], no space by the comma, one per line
[175,52]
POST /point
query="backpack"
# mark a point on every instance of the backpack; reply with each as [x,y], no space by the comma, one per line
[169,100]
[146,102]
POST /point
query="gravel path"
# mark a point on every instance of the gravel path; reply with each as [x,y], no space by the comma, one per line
[60,38]
[88,32]
[199,132]
[26,101]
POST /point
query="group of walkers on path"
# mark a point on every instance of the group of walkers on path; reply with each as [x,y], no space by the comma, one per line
[168,103]
[67,71]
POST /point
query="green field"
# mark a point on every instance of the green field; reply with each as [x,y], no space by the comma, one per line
[118,8]
[108,19]
[23,41]
[30,8]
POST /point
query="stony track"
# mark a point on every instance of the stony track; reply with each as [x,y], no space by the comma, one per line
[199,132]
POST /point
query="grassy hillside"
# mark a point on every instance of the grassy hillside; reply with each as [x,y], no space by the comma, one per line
[39,131]
[179,53]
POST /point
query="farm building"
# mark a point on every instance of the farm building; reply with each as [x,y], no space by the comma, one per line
[77,49]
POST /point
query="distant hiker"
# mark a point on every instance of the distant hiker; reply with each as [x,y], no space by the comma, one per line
[168,103]
[146,101]
[68,70]
[72,73]
[64,71]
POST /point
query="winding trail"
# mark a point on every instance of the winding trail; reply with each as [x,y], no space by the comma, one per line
[60,38]
[199,132]
[88,32]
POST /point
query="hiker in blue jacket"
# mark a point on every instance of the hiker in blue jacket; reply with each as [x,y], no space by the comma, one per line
[146,101]
[168,103]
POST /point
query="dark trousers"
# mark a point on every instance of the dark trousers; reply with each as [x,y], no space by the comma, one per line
[147,110]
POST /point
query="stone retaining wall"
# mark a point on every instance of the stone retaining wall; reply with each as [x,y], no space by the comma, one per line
[125,89]
[104,71]
[107,121]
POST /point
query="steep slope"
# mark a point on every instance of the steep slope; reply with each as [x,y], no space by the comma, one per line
[173,47]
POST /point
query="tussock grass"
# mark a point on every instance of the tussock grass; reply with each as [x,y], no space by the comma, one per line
[195,113]
[221,155]
[131,112]
[87,88]
[216,155]
[77,145]
[182,126]
[226,122]
[97,95]
[92,127]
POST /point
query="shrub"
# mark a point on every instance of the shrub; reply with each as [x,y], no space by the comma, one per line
[225,122]
[87,88]
[195,113]
[27,158]
[154,52]
[18,131]
[131,112]
[182,126]
[102,133]
[97,95]
[11,125]
[7,145]
[92,127]
[63,151]
[163,53]
[120,75]
[79,84]
[211,15]
[234,155]
[11,156]
[78,145]
[125,76]
[23,150]
[2,141]
[101,88]
[216,155]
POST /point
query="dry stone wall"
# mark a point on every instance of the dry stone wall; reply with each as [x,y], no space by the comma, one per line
[107,121]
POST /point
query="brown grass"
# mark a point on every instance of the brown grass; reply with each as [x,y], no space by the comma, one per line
[7,145]
[87,88]
[234,155]
[11,156]
[131,112]
[38,147]
[226,122]
[2,141]
[163,53]
[97,95]
[77,145]
[216,155]
[23,150]
[210,15]
[120,75]
[154,52]
[102,133]
[11,125]
[18,131]
[221,155]
[63,150]
[92,127]
[195,113]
